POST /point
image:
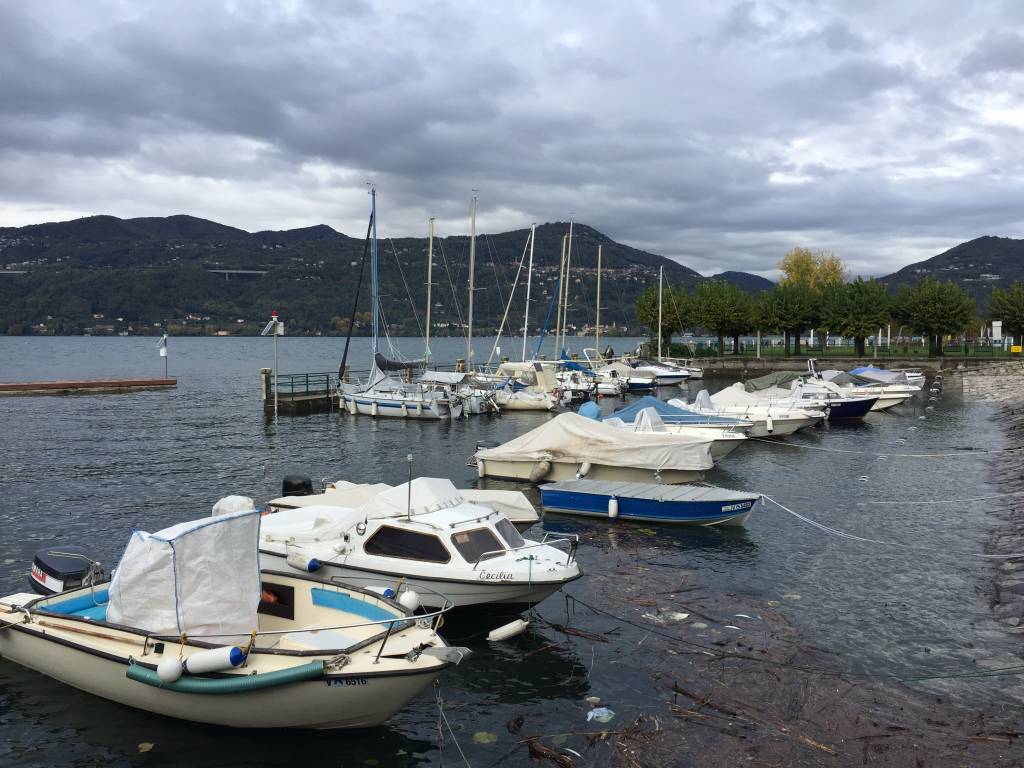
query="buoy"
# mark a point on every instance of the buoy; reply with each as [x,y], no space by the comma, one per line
[214,660]
[770,424]
[540,471]
[508,631]
[301,562]
[169,670]
[613,508]
[409,600]
[387,592]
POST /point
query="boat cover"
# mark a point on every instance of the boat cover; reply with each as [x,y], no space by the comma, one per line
[307,525]
[442,377]
[738,395]
[590,410]
[670,414]
[576,439]
[422,495]
[395,365]
[572,365]
[879,375]
[779,379]
[231,504]
[199,578]
[620,369]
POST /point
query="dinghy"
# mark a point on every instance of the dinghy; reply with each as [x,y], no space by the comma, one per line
[690,504]
[572,446]
[189,627]
[426,537]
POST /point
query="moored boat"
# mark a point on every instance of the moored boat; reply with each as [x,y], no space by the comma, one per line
[688,504]
[190,628]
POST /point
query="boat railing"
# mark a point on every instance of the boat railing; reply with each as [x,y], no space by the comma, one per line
[549,540]
[430,619]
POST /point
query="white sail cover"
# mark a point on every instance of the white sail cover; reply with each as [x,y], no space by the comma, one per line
[648,420]
[575,439]
[200,578]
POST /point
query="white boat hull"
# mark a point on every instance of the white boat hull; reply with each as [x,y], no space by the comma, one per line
[525,470]
[341,701]
[720,446]
[485,589]
[401,408]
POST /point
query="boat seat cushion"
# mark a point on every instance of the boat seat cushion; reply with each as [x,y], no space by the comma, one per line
[354,604]
[88,606]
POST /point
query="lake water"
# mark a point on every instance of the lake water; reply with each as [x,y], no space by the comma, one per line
[89,469]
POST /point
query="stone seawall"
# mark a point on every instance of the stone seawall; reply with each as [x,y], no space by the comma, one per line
[1002,383]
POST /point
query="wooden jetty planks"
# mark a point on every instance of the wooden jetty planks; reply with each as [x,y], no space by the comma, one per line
[85,386]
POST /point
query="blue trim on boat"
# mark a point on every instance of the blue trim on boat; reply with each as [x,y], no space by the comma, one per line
[342,601]
[88,606]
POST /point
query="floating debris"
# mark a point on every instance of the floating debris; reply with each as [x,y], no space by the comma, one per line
[600,715]
[484,737]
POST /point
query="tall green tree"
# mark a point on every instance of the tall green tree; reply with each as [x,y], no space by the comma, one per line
[726,310]
[676,311]
[792,308]
[1008,306]
[855,309]
[934,310]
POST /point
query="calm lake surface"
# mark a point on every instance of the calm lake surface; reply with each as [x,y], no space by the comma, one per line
[89,469]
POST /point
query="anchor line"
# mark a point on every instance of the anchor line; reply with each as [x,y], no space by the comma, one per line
[853,537]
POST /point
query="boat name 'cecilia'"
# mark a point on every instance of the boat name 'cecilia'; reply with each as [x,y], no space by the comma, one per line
[496,576]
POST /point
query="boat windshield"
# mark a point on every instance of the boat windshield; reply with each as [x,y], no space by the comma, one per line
[409,545]
[510,534]
[473,544]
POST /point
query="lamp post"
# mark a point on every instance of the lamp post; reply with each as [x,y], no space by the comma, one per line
[274,328]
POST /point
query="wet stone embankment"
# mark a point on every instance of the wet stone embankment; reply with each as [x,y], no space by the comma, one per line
[1003,385]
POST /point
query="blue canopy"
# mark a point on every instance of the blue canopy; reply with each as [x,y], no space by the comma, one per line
[572,365]
[670,414]
[591,410]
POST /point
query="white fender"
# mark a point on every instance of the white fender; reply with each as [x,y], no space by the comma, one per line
[507,631]
[583,470]
[480,468]
[613,508]
[373,408]
[405,410]
[213,660]
[770,424]
[540,471]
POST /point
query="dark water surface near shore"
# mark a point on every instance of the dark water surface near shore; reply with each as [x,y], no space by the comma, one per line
[89,469]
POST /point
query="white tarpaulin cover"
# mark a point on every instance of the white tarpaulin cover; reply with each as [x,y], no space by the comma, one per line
[442,377]
[231,504]
[575,439]
[306,525]
[201,578]
[427,494]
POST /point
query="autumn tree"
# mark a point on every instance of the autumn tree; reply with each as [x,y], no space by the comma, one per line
[934,310]
[816,270]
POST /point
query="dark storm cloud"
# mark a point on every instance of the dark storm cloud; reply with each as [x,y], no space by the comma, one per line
[721,135]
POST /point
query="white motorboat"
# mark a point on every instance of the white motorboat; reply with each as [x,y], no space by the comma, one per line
[635,382]
[665,375]
[572,446]
[769,419]
[190,628]
[888,395]
[476,397]
[512,504]
[424,536]
[530,386]
[789,387]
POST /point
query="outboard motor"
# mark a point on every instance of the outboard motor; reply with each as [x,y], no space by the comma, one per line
[58,568]
[297,485]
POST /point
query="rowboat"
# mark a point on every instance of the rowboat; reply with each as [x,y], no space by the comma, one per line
[697,504]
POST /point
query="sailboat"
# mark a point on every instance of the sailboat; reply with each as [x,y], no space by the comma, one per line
[384,395]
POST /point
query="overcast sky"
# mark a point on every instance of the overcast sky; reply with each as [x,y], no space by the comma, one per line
[720,134]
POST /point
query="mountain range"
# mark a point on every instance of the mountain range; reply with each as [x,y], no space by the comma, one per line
[103,274]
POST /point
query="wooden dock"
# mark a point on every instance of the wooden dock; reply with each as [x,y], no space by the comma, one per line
[84,387]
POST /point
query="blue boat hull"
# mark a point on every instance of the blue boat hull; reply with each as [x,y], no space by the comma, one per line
[856,409]
[732,512]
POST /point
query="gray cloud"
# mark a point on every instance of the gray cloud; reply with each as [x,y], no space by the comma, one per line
[718,135]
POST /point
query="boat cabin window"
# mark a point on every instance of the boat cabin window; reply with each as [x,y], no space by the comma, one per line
[410,545]
[510,534]
[473,544]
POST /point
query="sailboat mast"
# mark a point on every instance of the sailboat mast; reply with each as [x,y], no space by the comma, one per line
[430,284]
[661,287]
[597,327]
[373,272]
[472,267]
[565,303]
[529,278]
[558,309]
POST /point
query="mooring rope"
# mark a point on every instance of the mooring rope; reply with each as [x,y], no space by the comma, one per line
[966,452]
[853,537]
